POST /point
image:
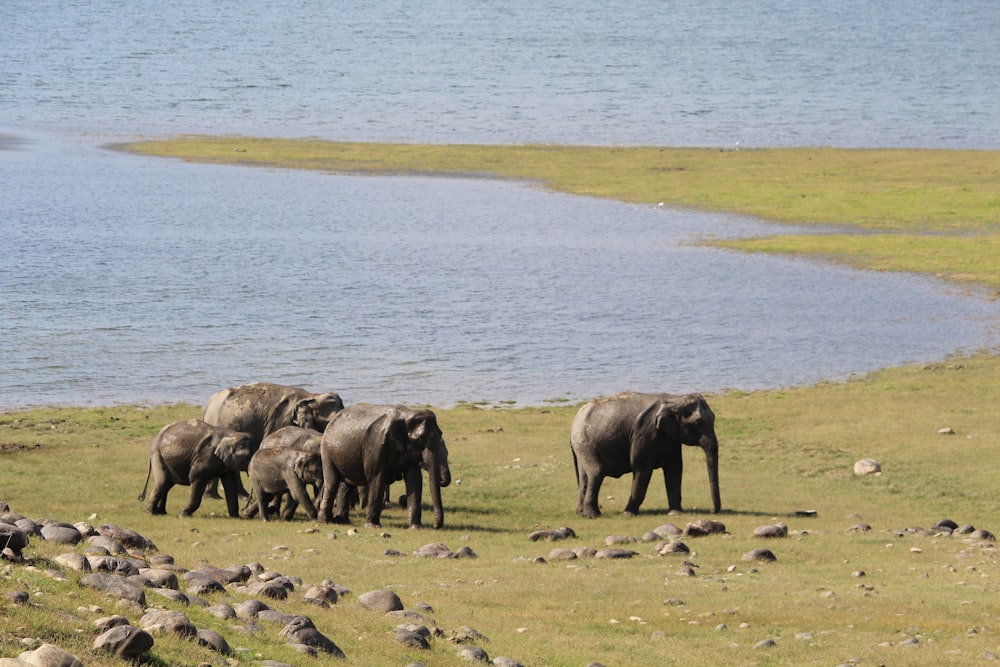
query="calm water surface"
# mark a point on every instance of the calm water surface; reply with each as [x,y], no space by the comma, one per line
[130,279]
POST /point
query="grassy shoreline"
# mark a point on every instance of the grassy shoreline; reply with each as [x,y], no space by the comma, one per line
[928,211]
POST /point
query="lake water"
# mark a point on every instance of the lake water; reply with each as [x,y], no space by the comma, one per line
[133,279]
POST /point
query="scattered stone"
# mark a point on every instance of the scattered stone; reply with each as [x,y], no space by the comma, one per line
[563,533]
[433,550]
[13,537]
[615,552]
[107,622]
[164,621]
[61,533]
[275,616]
[771,531]
[766,643]
[946,431]
[910,643]
[502,661]
[686,571]
[49,655]
[274,589]
[562,554]
[867,467]
[585,552]
[673,547]
[465,635]
[383,601]
[160,578]
[474,654]
[248,609]
[124,641]
[322,595]
[301,630]
[764,555]
[171,594]
[983,535]
[704,527]
[214,641]
[612,540]
[859,528]
[222,610]
[116,585]
[74,561]
[667,530]
[674,602]
[859,573]
[412,639]
[17,597]
[947,524]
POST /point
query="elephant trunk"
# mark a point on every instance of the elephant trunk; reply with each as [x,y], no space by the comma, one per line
[712,459]
[438,476]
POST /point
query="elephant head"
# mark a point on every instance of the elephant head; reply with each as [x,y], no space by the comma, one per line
[314,412]
[309,468]
[235,450]
[689,420]
[425,436]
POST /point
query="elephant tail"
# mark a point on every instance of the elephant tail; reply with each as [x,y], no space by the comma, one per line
[149,471]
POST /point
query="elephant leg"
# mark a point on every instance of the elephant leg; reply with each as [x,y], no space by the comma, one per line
[414,489]
[331,484]
[197,491]
[344,492]
[590,492]
[157,503]
[299,496]
[287,505]
[673,471]
[640,484]
[212,490]
[230,486]
[258,504]
[376,495]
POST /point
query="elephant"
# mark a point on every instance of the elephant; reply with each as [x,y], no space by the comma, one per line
[261,408]
[286,462]
[371,446]
[194,453]
[638,433]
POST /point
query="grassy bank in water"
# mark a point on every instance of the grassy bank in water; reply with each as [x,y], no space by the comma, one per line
[835,594]
[934,211]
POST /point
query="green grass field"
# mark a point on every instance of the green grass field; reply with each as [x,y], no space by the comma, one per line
[923,598]
[782,451]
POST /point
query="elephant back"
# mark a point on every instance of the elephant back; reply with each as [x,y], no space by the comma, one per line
[294,437]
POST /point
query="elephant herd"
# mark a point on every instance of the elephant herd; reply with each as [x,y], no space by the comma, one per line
[288,439]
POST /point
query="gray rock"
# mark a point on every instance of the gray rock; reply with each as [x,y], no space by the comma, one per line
[127,538]
[274,590]
[867,467]
[322,595]
[502,661]
[763,555]
[74,561]
[766,643]
[560,553]
[672,547]
[615,552]
[112,546]
[50,655]
[214,641]
[124,641]
[17,597]
[474,654]
[667,530]
[222,610]
[275,616]
[250,608]
[412,639]
[107,622]
[61,533]
[383,601]
[433,550]
[771,531]
[704,527]
[170,594]
[585,552]
[13,537]
[160,578]
[301,630]
[162,621]
[116,585]
[983,535]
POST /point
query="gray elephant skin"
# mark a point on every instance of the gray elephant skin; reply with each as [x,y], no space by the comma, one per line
[370,447]
[193,453]
[261,408]
[287,461]
[639,433]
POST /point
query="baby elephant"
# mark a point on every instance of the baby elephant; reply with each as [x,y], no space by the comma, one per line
[287,461]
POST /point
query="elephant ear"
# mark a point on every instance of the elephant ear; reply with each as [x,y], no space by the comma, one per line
[305,414]
[227,450]
[666,419]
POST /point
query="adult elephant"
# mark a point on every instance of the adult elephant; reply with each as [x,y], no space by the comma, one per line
[192,453]
[261,408]
[371,446]
[639,433]
[288,460]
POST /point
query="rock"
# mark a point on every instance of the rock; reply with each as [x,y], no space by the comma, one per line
[124,641]
[673,547]
[222,610]
[107,622]
[412,639]
[612,540]
[17,597]
[160,578]
[112,546]
[214,641]
[502,661]
[766,643]
[674,602]
[867,467]
[983,535]
[274,589]
[433,550]
[13,537]
[667,530]
[50,655]
[560,553]
[473,654]
[947,524]
[249,609]
[771,531]
[465,635]
[704,527]
[562,533]
[160,621]
[61,533]
[74,561]
[301,630]
[171,594]
[127,538]
[116,585]
[274,616]
[322,595]
[946,431]
[585,552]
[765,555]
[615,552]
[382,601]
[859,528]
